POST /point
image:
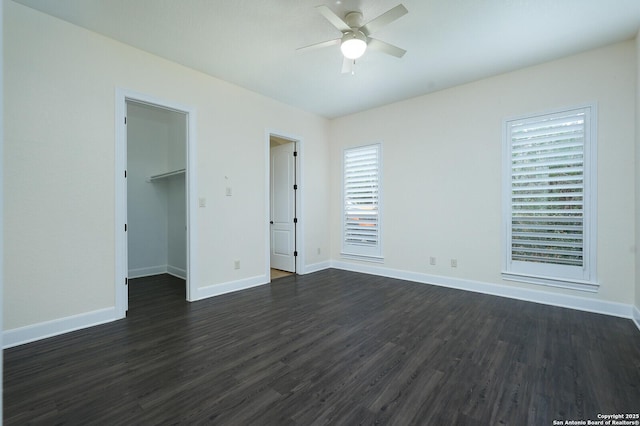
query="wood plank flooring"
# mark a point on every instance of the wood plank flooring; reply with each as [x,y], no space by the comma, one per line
[332,347]
[277,273]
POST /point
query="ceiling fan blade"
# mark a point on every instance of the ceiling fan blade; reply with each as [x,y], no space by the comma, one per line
[386,18]
[319,45]
[333,18]
[347,65]
[387,48]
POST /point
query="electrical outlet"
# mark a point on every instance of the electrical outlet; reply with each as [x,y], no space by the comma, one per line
[432,261]
[454,263]
[236,264]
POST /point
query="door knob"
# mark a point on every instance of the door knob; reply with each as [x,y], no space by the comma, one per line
[271,222]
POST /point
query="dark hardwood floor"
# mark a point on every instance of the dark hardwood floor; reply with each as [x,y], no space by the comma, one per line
[332,347]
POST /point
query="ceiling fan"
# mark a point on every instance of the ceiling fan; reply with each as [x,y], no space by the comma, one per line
[355,36]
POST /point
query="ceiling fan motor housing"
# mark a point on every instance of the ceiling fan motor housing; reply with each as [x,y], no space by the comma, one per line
[353,19]
[354,35]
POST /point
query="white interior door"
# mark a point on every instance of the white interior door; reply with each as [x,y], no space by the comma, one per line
[282,207]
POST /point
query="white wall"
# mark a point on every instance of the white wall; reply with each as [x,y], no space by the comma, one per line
[442,169]
[176,226]
[176,200]
[60,83]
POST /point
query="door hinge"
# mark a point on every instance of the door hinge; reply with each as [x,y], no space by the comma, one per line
[125,120]
[126,281]
[125,227]
[295,220]
[295,153]
[295,187]
[125,173]
[295,254]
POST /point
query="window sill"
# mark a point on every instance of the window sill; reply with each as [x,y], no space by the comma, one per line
[587,286]
[362,257]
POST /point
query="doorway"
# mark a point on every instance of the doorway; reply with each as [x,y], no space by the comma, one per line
[156,191]
[155,147]
[284,196]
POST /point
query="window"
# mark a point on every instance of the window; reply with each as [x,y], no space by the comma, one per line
[362,200]
[549,199]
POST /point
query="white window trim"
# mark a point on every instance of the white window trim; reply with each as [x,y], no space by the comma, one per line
[351,251]
[588,282]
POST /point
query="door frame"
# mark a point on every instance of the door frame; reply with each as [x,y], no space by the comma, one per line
[299,230]
[121,239]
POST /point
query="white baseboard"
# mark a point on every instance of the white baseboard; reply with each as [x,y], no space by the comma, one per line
[177,272]
[636,316]
[547,298]
[147,272]
[31,333]
[309,269]
[157,270]
[229,287]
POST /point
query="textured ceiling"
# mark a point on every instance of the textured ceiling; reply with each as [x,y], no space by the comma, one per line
[252,43]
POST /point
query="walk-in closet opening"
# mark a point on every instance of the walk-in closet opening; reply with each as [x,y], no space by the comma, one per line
[156,140]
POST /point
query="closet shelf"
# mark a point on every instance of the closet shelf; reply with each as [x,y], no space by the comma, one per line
[166,175]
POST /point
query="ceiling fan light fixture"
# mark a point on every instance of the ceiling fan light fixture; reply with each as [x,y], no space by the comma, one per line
[353,45]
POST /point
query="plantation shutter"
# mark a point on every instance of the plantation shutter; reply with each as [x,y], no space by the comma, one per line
[548,190]
[362,200]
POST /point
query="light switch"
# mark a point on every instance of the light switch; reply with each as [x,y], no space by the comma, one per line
[202,202]
[228,191]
